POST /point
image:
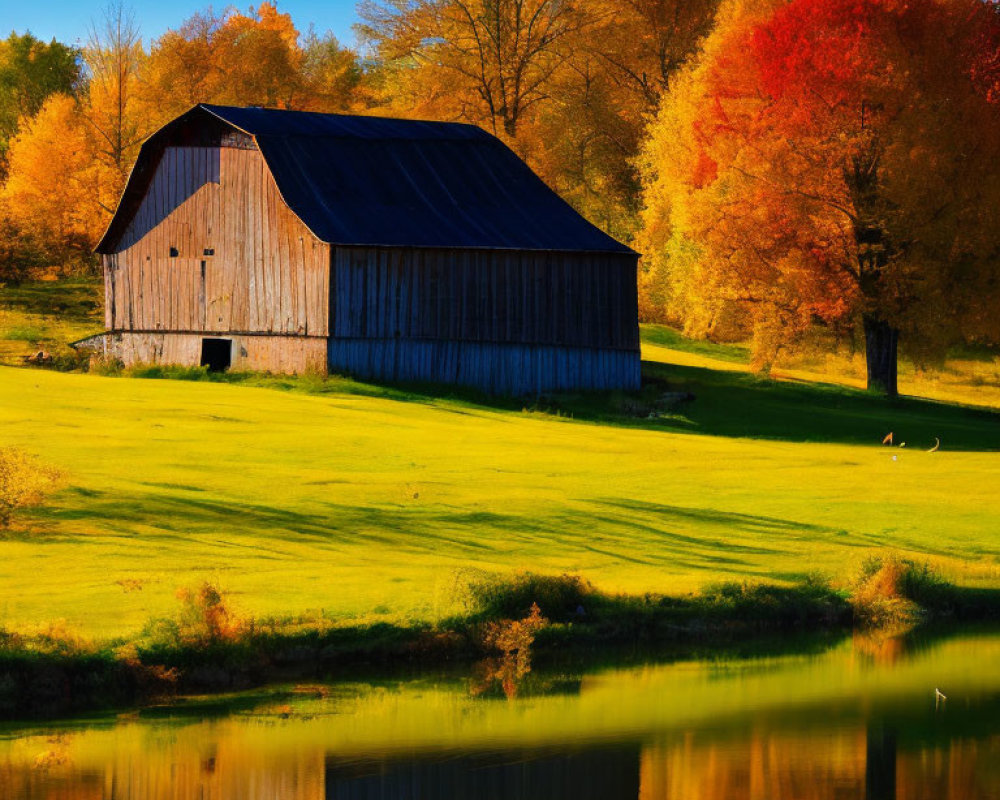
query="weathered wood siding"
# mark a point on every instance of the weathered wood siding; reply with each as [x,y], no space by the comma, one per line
[263,271]
[496,296]
[282,354]
[504,369]
[507,322]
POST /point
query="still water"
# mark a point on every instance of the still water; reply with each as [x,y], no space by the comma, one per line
[858,720]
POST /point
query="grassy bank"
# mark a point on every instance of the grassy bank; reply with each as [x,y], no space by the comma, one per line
[205,649]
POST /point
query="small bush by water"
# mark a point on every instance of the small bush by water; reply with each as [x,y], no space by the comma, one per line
[488,596]
[891,590]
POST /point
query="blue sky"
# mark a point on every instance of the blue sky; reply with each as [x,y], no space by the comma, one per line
[68,20]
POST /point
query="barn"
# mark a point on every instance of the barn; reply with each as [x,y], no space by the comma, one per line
[397,250]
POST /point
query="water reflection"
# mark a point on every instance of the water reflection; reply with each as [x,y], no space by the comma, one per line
[520,775]
[845,724]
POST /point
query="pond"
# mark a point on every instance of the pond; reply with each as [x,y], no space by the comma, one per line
[869,717]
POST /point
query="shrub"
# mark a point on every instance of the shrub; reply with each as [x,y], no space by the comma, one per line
[10,640]
[514,637]
[56,638]
[512,640]
[24,482]
[811,602]
[892,590]
[489,596]
[107,365]
[205,617]
[169,371]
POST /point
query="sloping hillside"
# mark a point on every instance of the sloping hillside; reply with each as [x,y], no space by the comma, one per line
[360,504]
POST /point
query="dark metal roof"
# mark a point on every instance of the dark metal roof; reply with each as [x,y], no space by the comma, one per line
[388,182]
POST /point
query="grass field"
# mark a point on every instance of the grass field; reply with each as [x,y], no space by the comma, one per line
[301,496]
[48,315]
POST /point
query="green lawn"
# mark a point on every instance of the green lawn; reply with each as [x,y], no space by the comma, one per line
[48,315]
[362,501]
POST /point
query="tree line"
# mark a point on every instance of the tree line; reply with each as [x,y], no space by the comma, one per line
[783,166]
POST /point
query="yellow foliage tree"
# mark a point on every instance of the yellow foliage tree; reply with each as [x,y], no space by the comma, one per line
[55,181]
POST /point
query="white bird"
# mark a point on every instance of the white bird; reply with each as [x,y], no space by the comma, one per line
[940,698]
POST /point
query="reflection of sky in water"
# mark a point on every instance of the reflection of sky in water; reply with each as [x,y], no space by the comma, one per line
[858,721]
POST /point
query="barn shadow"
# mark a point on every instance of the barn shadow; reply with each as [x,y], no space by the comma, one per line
[718,402]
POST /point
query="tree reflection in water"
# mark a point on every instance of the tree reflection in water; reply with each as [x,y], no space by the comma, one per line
[759,765]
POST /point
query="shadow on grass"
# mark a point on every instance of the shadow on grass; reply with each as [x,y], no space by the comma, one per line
[616,529]
[743,405]
[77,301]
[608,531]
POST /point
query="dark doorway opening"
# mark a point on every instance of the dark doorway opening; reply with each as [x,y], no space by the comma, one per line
[216,354]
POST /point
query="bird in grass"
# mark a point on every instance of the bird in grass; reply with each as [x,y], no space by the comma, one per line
[940,698]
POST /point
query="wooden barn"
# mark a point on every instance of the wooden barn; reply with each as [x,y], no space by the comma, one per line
[399,250]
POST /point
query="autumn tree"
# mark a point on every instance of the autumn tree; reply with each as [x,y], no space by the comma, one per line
[30,71]
[483,61]
[69,162]
[256,58]
[834,162]
[181,70]
[331,74]
[52,193]
[113,54]
[583,145]
[589,130]
[642,43]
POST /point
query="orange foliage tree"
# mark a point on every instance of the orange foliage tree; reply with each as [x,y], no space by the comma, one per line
[833,162]
[53,188]
[113,55]
[598,105]
[246,59]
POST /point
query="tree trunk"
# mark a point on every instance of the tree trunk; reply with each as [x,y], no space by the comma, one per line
[881,340]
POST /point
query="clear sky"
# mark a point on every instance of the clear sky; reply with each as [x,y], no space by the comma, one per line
[68,20]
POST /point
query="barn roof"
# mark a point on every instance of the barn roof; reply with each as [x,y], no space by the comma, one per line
[387,182]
